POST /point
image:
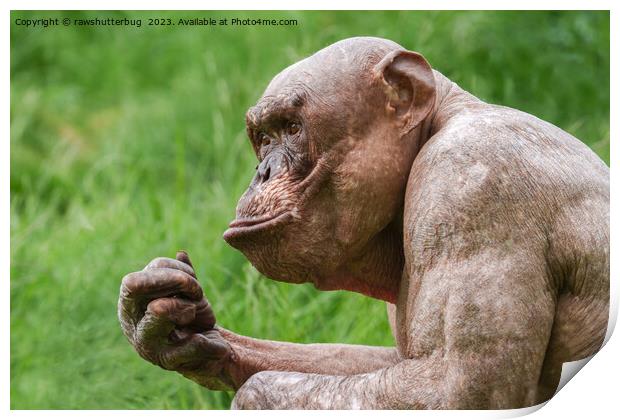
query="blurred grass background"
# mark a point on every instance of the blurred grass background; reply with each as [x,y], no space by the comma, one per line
[129,143]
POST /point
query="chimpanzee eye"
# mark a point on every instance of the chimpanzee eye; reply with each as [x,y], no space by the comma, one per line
[263,138]
[292,128]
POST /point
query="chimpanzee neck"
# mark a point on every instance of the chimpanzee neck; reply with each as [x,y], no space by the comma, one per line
[377,270]
[450,100]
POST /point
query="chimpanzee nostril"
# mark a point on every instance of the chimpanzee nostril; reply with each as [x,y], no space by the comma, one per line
[269,168]
[263,172]
[266,173]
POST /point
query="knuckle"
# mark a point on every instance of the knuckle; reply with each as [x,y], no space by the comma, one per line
[130,283]
[169,263]
[191,285]
[196,290]
[127,326]
[159,307]
[172,309]
[156,263]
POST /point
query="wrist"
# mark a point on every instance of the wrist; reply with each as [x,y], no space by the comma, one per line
[235,368]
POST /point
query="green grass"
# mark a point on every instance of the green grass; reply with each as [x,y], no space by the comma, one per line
[129,143]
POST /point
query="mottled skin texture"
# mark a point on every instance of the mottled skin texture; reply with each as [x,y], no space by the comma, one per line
[485,229]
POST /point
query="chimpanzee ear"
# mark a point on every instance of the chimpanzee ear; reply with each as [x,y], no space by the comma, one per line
[409,85]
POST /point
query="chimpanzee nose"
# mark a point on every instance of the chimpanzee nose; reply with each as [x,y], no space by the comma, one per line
[269,168]
[264,172]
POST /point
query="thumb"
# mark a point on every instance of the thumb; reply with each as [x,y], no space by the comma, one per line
[183,257]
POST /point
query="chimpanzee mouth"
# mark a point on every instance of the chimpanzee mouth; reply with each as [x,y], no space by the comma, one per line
[240,227]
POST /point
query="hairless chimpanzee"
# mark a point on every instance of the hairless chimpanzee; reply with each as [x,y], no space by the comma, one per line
[483,228]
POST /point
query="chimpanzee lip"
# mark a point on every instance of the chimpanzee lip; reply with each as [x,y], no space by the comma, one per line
[244,226]
[251,221]
[307,188]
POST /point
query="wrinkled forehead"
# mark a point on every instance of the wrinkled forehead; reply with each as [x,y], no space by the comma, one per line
[327,79]
[337,77]
[324,69]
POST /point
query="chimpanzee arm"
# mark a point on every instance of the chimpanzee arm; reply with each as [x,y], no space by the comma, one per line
[490,353]
[167,319]
[250,355]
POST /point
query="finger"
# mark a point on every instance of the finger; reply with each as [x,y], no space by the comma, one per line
[204,318]
[128,316]
[184,257]
[160,319]
[163,262]
[179,311]
[160,282]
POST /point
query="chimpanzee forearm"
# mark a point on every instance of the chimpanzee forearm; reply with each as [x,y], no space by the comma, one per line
[250,356]
[406,385]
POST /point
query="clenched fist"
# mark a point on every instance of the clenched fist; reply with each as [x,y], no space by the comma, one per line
[169,322]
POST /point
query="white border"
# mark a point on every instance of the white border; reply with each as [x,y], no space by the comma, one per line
[592,395]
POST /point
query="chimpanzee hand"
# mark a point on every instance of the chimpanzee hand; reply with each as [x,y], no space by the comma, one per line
[166,318]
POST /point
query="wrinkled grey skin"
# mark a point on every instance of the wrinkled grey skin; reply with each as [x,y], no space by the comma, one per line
[485,229]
